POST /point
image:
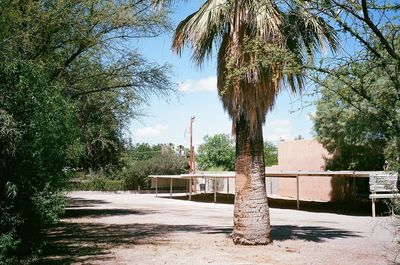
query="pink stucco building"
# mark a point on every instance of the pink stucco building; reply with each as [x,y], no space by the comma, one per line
[306,155]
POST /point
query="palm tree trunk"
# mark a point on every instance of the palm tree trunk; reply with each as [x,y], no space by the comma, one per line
[251,213]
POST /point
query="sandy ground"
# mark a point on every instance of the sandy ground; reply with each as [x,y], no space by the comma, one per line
[125,228]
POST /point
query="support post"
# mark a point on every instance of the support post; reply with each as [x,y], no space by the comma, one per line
[190,188]
[373,207]
[192,163]
[215,190]
[354,190]
[298,192]
[170,188]
[156,188]
[227,186]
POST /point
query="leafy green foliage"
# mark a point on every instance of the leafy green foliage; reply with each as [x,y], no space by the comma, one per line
[360,87]
[143,159]
[98,184]
[136,174]
[217,151]
[68,86]
[108,103]
[357,117]
[270,154]
[355,140]
[37,129]
[144,151]
[391,151]
[81,47]
[139,161]
[267,56]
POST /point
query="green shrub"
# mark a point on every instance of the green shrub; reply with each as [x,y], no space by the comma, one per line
[37,128]
[98,184]
[136,174]
[216,169]
[23,239]
[9,241]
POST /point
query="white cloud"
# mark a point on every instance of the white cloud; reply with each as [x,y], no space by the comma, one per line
[278,130]
[204,84]
[310,116]
[150,132]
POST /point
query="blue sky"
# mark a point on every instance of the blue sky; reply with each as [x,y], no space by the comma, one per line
[168,121]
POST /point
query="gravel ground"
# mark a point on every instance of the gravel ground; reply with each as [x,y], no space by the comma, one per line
[125,228]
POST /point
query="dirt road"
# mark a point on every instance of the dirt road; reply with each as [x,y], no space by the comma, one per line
[125,228]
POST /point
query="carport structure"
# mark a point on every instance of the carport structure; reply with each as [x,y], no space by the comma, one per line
[268,174]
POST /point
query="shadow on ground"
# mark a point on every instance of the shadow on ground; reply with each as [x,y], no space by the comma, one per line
[83,242]
[308,233]
[362,207]
[79,208]
[98,213]
[82,202]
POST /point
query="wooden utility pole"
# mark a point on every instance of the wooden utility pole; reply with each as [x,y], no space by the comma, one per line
[192,165]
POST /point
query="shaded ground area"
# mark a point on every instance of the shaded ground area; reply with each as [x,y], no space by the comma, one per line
[308,233]
[74,242]
[107,228]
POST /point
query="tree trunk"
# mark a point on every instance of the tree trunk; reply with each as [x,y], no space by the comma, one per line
[251,212]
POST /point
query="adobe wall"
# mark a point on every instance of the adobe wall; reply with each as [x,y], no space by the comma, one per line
[301,155]
[306,155]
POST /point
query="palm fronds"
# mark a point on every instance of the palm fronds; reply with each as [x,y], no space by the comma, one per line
[262,48]
[202,30]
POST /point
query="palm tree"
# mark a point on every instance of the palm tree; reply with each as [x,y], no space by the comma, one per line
[260,43]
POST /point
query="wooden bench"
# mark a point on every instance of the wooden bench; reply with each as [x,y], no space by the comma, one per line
[382,186]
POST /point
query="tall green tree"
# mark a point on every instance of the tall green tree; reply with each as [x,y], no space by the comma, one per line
[36,130]
[355,138]
[82,46]
[68,86]
[261,47]
[217,151]
[364,81]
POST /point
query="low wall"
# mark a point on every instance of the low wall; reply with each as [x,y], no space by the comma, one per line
[163,183]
